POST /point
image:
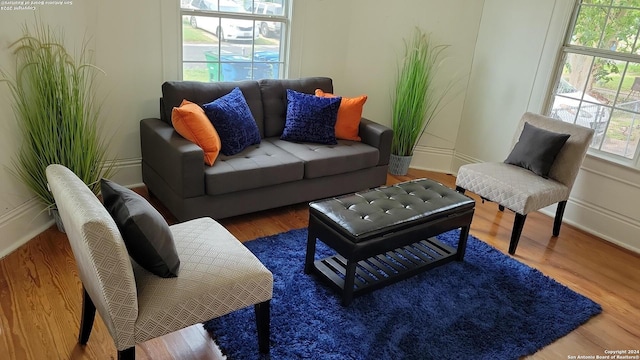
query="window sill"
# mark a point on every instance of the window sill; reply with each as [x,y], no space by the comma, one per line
[596,156]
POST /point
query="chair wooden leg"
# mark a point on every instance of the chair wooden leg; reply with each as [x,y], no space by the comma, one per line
[88,315]
[518,224]
[127,354]
[557,222]
[263,319]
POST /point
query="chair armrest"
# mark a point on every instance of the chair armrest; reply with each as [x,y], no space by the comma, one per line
[377,135]
[175,160]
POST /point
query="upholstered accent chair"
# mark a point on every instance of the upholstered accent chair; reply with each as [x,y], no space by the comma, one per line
[217,273]
[523,191]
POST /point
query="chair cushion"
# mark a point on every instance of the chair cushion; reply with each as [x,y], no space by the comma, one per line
[310,118]
[232,119]
[257,166]
[324,160]
[218,275]
[144,231]
[514,187]
[536,149]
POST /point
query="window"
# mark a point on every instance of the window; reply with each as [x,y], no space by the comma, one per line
[230,40]
[598,81]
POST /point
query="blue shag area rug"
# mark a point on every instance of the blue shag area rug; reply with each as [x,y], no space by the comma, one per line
[489,306]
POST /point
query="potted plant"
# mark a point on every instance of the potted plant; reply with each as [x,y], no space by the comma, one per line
[55,106]
[416,100]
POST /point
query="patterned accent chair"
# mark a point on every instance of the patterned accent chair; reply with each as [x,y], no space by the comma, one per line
[217,275]
[521,190]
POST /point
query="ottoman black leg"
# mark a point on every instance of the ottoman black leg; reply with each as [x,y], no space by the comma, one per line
[349,279]
[462,242]
[311,252]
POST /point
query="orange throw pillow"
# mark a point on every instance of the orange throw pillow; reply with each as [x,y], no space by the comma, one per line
[349,114]
[192,123]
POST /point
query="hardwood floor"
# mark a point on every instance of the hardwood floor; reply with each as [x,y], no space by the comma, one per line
[40,291]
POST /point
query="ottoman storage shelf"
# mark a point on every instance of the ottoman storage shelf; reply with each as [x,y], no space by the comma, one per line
[385,234]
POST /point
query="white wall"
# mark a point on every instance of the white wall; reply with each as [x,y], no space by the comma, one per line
[505,48]
[505,64]
[376,44]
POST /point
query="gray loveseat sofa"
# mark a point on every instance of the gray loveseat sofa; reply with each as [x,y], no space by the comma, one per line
[271,174]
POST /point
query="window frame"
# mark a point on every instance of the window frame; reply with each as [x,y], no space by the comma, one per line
[283,42]
[566,48]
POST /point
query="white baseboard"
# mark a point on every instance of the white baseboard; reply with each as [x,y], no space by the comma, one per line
[603,223]
[432,159]
[128,172]
[25,222]
[22,224]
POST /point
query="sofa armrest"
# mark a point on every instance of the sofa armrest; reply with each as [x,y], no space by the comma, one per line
[377,135]
[176,160]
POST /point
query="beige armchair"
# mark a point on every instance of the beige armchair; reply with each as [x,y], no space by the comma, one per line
[217,274]
[523,191]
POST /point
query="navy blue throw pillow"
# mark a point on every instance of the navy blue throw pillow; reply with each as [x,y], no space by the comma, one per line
[310,118]
[232,119]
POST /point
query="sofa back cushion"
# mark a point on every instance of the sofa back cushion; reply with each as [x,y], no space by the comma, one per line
[173,92]
[274,99]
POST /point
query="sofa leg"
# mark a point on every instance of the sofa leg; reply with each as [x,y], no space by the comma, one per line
[557,222]
[127,354]
[460,189]
[518,224]
[500,207]
[263,319]
[88,315]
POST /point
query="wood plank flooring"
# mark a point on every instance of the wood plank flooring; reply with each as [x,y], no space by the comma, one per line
[40,290]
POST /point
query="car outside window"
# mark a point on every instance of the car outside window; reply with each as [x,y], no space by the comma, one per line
[231,40]
[598,77]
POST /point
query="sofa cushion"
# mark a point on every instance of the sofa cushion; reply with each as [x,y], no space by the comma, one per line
[255,167]
[231,117]
[274,99]
[310,118]
[173,92]
[349,115]
[324,160]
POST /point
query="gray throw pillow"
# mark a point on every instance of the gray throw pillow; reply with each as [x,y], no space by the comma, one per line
[145,232]
[536,149]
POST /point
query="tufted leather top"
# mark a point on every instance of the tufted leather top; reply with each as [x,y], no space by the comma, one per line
[382,210]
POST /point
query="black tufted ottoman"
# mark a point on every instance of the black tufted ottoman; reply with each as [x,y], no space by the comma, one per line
[384,235]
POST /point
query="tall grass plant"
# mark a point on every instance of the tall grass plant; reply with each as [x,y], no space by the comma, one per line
[55,105]
[416,100]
